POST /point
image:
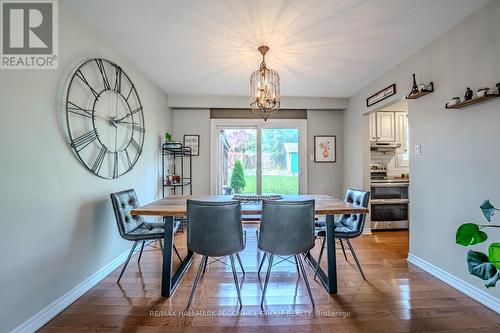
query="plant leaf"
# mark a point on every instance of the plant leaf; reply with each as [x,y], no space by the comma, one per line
[479,265]
[488,209]
[494,254]
[469,234]
[491,282]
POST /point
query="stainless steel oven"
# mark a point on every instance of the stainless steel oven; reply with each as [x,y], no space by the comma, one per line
[389,204]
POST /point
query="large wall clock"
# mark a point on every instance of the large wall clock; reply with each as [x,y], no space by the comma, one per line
[104,118]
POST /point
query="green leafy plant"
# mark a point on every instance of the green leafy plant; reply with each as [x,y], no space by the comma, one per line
[238,177]
[486,267]
[168,137]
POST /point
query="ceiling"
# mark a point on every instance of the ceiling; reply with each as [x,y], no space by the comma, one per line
[321,48]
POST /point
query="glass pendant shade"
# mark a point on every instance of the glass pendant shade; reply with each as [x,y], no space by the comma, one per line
[264,89]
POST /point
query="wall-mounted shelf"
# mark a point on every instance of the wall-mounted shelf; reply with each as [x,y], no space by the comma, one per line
[181,157]
[473,101]
[421,93]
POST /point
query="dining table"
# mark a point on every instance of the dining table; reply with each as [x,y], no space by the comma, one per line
[174,206]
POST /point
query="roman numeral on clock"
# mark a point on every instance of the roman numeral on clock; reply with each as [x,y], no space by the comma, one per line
[102,70]
[134,144]
[78,110]
[96,167]
[82,77]
[84,140]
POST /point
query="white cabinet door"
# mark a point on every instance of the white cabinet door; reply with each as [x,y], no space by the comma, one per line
[373,126]
[401,132]
[385,126]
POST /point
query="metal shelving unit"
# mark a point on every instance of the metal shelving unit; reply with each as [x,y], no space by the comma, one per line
[180,155]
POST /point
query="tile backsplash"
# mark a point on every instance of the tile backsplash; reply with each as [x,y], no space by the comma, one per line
[391,160]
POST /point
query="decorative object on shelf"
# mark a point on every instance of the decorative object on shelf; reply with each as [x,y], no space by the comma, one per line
[482,92]
[468,94]
[192,141]
[255,198]
[381,95]
[420,90]
[173,144]
[453,101]
[104,118]
[264,88]
[486,267]
[482,95]
[168,137]
[325,148]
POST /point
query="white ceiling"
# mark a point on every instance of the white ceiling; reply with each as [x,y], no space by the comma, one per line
[328,48]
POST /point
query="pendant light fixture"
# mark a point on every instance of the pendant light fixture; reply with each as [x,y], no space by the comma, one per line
[264,89]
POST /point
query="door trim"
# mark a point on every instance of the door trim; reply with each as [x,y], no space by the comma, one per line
[300,124]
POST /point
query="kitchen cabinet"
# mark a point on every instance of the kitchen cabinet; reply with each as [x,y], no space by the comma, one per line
[401,119]
[373,126]
[385,126]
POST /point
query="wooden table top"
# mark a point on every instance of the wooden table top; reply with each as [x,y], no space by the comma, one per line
[175,205]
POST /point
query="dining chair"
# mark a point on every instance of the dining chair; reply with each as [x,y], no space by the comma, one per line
[347,227]
[133,227]
[214,229]
[286,229]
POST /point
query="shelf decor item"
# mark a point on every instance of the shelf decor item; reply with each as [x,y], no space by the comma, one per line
[325,149]
[192,141]
[264,89]
[486,267]
[420,90]
[381,95]
[481,96]
[168,137]
[468,94]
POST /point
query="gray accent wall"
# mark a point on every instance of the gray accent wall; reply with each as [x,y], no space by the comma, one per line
[458,167]
[58,228]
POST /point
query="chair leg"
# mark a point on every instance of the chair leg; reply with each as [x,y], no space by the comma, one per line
[161,245]
[196,280]
[235,277]
[343,249]
[306,281]
[126,262]
[239,260]
[177,252]
[297,265]
[355,258]
[319,258]
[204,268]
[262,262]
[140,253]
[271,257]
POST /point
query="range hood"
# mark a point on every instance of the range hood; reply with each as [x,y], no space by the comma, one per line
[384,146]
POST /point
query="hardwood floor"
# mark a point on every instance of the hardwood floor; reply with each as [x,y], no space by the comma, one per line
[397,297]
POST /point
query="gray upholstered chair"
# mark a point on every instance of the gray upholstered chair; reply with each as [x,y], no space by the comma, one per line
[134,228]
[214,229]
[348,226]
[286,229]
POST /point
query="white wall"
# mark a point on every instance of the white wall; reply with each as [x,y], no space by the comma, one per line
[195,121]
[458,167]
[58,227]
[324,178]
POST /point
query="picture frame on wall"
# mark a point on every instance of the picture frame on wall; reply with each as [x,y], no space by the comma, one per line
[381,95]
[192,141]
[325,149]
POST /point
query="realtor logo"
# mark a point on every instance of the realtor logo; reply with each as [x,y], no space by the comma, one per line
[29,35]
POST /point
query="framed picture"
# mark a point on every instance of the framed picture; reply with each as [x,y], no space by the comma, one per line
[381,95]
[325,148]
[192,141]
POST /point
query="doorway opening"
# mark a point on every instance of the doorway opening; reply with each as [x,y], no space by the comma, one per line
[253,156]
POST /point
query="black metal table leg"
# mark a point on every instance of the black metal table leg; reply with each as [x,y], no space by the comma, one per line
[168,282]
[329,281]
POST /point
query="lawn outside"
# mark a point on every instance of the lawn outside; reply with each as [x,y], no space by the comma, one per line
[273,184]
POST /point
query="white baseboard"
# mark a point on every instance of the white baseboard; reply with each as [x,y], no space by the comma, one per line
[50,311]
[472,291]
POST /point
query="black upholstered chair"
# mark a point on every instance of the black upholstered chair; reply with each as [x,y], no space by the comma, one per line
[286,229]
[214,229]
[348,226]
[134,228]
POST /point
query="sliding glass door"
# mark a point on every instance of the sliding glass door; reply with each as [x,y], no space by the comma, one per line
[253,156]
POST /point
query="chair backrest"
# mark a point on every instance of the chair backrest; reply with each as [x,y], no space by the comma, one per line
[214,229]
[355,222]
[123,202]
[287,227]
